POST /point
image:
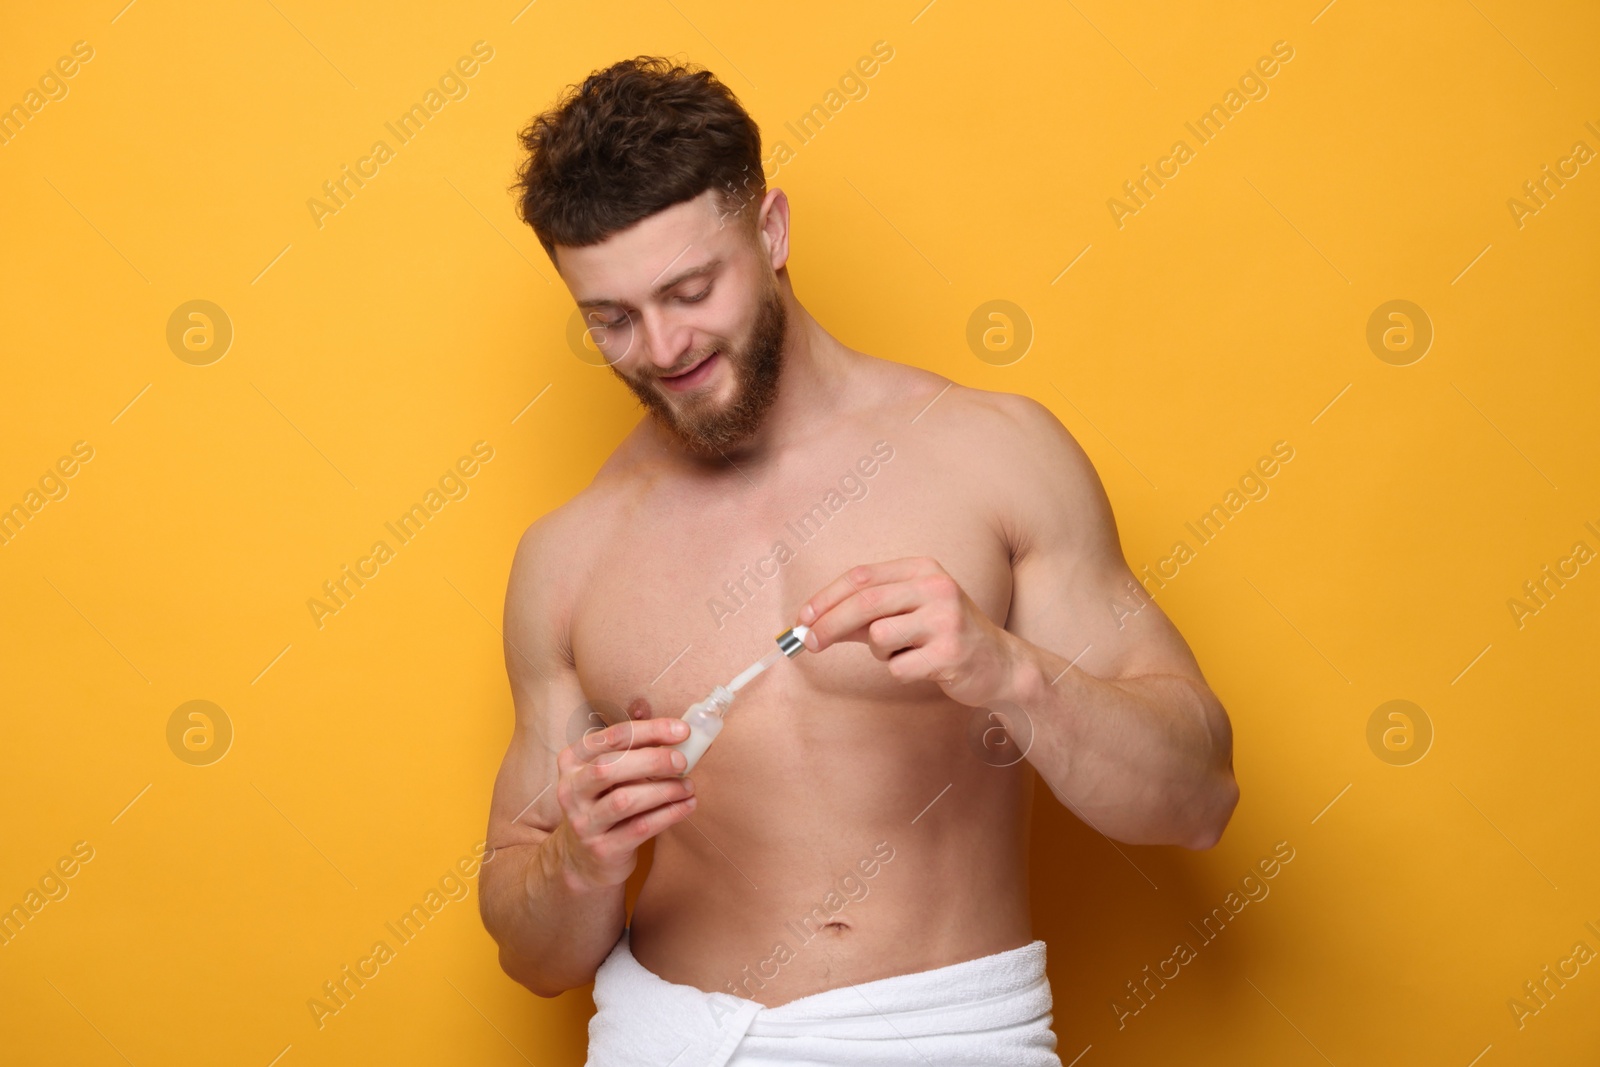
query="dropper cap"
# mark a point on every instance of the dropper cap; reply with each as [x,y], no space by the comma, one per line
[792,641]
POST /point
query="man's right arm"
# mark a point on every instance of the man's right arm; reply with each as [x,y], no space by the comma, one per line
[566,820]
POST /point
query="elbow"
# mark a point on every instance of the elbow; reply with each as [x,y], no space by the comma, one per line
[1216,813]
[517,965]
[1213,808]
[546,992]
[520,971]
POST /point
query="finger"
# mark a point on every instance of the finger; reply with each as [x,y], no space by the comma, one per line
[631,733]
[894,634]
[638,764]
[847,620]
[868,574]
[628,801]
[645,826]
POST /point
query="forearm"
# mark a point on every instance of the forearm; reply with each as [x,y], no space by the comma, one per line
[1144,760]
[553,929]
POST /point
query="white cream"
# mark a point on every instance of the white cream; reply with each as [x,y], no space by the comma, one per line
[703,730]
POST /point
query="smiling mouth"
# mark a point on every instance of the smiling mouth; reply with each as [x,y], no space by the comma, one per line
[693,375]
[681,373]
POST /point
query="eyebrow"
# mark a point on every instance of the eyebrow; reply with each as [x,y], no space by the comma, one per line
[677,279]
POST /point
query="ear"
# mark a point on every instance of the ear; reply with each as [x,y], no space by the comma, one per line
[772,228]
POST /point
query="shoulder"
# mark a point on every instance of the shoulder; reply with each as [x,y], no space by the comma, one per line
[1024,467]
[1007,429]
[1014,438]
[1045,487]
[553,557]
[1028,437]
[1028,428]
[559,549]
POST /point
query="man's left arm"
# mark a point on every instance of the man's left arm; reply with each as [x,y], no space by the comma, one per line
[1125,731]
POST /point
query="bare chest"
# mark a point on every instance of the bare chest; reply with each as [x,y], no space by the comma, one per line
[691,587]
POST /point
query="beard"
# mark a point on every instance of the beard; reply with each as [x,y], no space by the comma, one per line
[705,430]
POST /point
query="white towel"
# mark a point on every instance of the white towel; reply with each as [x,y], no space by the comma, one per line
[991,1010]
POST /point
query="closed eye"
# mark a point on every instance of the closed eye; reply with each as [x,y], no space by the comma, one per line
[612,324]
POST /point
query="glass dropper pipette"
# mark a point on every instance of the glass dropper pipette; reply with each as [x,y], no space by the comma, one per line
[705,718]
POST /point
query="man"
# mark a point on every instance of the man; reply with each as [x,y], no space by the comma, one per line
[842,878]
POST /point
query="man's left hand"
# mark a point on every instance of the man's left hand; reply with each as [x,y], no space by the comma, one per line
[914,616]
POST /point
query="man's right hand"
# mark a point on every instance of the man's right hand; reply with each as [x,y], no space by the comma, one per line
[617,789]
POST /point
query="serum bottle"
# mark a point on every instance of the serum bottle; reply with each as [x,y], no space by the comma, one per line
[705,718]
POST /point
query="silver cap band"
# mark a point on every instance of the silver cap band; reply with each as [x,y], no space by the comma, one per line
[792,644]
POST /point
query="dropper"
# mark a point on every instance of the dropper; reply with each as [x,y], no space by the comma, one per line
[790,643]
[705,718]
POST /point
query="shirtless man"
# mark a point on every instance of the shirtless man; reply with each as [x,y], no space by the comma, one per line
[952,550]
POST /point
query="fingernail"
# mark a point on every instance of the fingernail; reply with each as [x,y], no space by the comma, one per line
[806,614]
[678,762]
[680,729]
[688,785]
[688,802]
[810,640]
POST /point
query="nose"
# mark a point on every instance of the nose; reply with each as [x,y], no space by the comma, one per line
[664,344]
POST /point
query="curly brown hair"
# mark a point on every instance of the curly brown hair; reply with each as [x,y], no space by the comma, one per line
[639,136]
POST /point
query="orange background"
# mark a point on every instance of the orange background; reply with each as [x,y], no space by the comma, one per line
[369,353]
